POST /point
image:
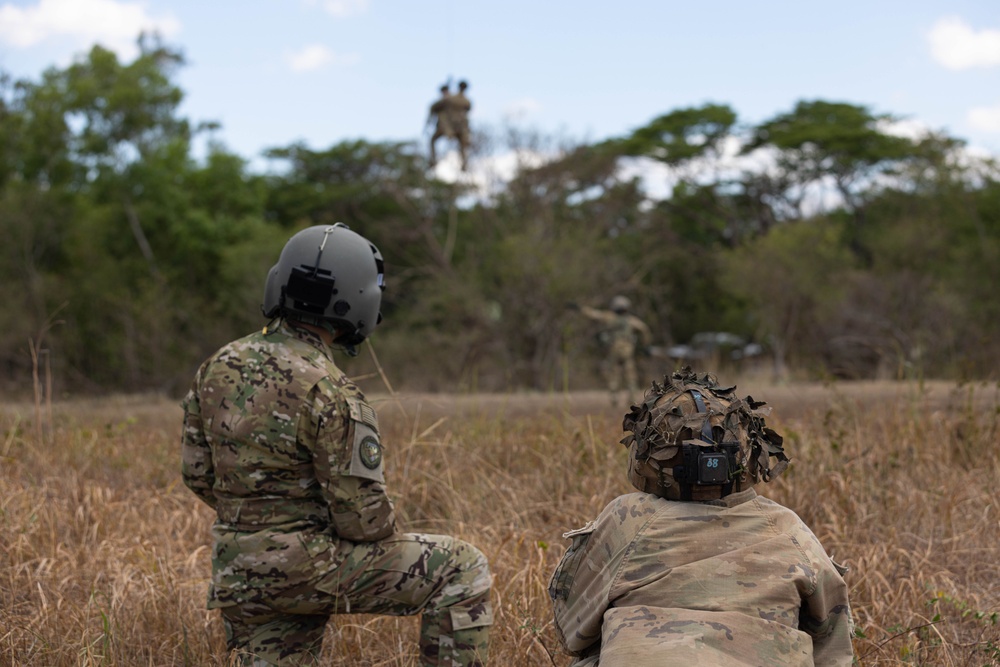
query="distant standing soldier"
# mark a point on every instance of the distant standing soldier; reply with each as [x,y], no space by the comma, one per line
[451,113]
[282,445]
[460,106]
[441,117]
[621,333]
[696,568]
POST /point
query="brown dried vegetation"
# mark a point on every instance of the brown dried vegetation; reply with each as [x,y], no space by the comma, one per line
[104,554]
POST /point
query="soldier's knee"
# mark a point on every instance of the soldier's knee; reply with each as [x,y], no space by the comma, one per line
[472,571]
[465,581]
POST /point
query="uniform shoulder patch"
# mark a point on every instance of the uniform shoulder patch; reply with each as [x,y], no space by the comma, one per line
[367,454]
[360,411]
[370,452]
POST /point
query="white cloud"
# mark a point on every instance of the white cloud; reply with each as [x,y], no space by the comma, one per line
[309,58]
[956,45]
[986,119]
[114,24]
[519,109]
[317,56]
[340,8]
[487,175]
[907,128]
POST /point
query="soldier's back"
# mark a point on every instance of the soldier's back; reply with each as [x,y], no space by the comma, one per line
[708,585]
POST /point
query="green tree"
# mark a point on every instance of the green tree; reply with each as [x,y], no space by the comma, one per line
[791,279]
[821,145]
[683,135]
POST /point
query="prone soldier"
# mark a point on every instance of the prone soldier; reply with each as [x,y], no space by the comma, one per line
[696,568]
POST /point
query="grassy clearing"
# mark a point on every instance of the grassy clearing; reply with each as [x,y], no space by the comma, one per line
[104,554]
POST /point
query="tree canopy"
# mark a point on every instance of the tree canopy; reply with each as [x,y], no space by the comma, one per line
[130,260]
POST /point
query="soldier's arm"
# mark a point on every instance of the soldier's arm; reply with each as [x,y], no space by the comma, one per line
[579,596]
[587,581]
[826,617]
[197,469]
[347,457]
[645,335]
[602,316]
[593,574]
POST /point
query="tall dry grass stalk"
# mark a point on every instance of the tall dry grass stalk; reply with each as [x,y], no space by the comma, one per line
[104,554]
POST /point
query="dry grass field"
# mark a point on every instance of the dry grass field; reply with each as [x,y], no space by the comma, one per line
[104,554]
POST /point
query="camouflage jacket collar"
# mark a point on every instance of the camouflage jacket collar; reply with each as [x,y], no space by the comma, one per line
[733,499]
[306,336]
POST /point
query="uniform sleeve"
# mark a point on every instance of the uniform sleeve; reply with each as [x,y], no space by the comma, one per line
[347,456]
[197,469]
[581,587]
[602,316]
[645,335]
[826,617]
[578,600]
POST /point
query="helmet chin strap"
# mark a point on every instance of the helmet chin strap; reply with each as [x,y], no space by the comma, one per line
[273,324]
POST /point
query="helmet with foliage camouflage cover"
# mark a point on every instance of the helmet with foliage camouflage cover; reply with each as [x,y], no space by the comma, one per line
[330,276]
[691,439]
[620,304]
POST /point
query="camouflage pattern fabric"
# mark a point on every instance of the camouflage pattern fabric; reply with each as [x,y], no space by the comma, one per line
[736,581]
[444,578]
[452,113]
[445,126]
[286,450]
[458,109]
[620,334]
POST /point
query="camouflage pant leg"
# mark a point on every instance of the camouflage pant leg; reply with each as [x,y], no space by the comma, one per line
[444,579]
[258,636]
[611,370]
[631,376]
[620,366]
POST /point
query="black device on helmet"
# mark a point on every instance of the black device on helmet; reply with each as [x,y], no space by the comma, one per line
[712,465]
[330,276]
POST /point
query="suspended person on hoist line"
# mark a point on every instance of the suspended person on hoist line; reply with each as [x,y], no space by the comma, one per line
[451,111]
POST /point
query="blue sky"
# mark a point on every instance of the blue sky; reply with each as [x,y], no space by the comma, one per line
[273,72]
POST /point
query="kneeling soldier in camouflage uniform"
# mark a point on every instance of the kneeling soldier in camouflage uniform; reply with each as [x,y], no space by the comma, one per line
[697,569]
[282,445]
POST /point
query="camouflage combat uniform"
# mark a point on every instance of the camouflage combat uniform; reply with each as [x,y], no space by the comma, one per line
[444,122]
[736,581]
[452,114]
[458,110]
[621,333]
[282,445]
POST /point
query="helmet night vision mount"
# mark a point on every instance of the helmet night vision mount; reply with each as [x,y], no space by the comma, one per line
[713,465]
[330,276]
